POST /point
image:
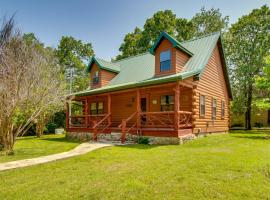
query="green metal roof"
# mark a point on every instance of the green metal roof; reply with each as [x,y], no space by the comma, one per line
[138,71]
[103,64]
[175,43]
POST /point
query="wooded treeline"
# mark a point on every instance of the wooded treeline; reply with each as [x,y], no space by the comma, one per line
[34,79]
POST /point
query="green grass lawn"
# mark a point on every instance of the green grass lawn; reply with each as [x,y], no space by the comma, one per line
[232,166]
[30,147]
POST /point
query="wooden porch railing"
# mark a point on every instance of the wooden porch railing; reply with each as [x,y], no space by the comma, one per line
[100,126]
[124,128]
[84,121]
[163,119]
[185,119]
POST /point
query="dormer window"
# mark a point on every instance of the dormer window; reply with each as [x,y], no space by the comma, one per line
[165,60]
[96,77]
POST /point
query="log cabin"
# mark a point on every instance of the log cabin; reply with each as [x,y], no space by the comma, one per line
[176,90]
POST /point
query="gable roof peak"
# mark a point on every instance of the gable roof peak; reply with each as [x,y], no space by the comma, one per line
[103,64]
[175,43]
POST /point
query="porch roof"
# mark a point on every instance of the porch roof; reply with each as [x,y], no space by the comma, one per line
[138,71]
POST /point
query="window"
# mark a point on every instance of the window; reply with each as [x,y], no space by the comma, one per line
[96,108]
[165,60]
[167,103]
[96,77]
[93,108]
[214,108]
[222,109]
[202,105]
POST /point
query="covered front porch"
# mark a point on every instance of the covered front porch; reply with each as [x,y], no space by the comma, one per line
[162,111]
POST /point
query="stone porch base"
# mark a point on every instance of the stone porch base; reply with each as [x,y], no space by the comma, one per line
[84,136]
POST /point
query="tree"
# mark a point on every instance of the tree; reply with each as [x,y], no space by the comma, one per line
[185,29]
[131,46]
[247,43]
[139,41]
[209,21]
[73,54]
[31,82]
[262,83]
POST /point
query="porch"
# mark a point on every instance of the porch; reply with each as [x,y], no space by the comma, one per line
[161,111]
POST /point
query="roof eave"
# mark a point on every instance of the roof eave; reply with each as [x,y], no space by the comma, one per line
[130,86]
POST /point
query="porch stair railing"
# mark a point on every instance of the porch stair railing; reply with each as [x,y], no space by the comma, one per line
[101,126]
[124,128]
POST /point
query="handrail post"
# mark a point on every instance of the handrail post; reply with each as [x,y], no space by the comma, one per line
[123,130]
[95,130]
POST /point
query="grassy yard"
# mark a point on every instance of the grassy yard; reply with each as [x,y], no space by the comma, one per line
[232,166]
[30,147]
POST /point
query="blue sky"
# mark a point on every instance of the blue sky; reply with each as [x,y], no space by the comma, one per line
[105,22]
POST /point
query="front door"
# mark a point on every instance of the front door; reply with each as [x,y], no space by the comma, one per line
[143,104]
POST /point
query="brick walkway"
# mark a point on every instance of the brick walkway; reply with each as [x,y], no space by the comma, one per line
[79,150]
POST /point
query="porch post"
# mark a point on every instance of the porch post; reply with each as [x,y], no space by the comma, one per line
[138,108]
[109,108]
[67,115]
[86,112]
[176,106]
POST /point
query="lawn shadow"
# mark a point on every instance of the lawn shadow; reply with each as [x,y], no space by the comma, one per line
[62,139]
[143,146]
[254,136]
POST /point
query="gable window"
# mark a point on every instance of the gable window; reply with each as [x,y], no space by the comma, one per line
[167,103]
[165,60]
[96,108]
[222,109]
[202,105]
[214,108]
[96,77]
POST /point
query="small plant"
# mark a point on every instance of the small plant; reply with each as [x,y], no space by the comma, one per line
[266,171]
[143,140]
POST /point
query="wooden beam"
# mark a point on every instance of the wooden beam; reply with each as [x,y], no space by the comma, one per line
[67,115]
[176,106]
[109,107]
[138,108]
[86,110]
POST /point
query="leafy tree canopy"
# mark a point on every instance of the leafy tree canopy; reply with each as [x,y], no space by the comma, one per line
[247,43]
[139,41]
[74,54]
[209,21]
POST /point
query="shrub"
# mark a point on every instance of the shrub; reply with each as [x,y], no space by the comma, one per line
[258,124]
[50,127]
[143,140]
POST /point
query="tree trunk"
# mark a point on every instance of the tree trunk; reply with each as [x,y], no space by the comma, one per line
[248,110]
[7,137]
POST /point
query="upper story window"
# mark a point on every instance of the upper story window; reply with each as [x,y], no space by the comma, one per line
[202,105]
[214,108]
[167,103]
[96,77]
[165,60]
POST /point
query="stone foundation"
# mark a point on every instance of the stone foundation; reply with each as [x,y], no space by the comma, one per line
[85,136]
[82,136]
